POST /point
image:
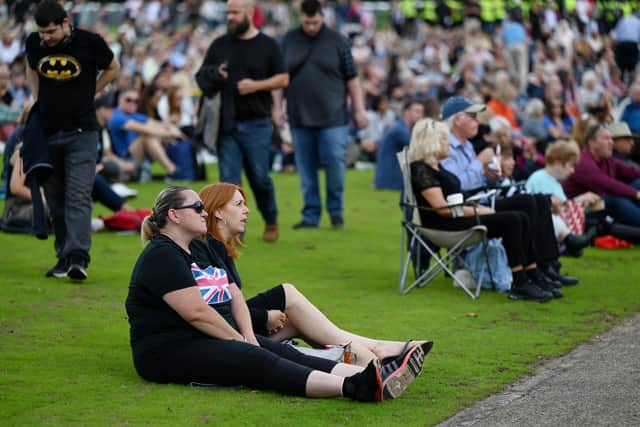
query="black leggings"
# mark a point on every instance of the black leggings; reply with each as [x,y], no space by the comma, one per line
[205,360]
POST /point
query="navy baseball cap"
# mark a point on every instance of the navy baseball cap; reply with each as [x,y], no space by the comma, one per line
[459,104]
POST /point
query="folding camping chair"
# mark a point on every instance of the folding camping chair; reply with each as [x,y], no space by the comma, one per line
[420,236]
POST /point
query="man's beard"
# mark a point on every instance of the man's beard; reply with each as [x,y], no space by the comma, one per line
[240,28]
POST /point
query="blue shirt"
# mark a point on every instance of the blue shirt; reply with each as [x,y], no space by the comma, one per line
[631,115]
[541,182]
[463,163]
[513,33]
[388,174]
[628,29]
[121,138]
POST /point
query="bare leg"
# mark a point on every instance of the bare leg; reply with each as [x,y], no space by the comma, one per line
[321,384]
[152,146]
[307,322]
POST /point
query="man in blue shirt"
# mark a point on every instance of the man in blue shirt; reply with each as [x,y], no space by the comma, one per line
[134,135]
[476,171]
[631,113]
[388,175]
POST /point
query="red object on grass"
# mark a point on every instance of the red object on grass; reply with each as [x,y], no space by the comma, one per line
[611,242]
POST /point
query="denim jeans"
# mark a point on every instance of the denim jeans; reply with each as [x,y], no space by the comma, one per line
[248,145]
[68,191]
[624,209]
[315,147]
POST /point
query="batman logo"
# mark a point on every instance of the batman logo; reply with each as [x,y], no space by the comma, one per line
[59,67]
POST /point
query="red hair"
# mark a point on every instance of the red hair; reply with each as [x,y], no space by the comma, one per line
[214,197]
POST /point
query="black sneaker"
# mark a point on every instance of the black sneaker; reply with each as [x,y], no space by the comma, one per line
[365,386]
[529,292]
[77,270]
[337,222]
[59,270]
[304,224]
[400,372]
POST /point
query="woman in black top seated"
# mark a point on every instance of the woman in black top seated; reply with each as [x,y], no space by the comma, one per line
[282,312]
[431,185]
[189,323]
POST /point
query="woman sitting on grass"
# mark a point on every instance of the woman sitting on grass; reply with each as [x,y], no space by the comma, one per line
[281,312]
[190,324]
[432,183]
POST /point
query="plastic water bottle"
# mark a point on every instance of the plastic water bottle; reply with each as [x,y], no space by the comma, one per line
[496,162]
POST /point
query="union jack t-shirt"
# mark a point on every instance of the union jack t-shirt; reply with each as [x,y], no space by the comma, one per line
[213,284]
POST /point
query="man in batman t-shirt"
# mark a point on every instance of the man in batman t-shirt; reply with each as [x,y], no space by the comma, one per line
[67,67]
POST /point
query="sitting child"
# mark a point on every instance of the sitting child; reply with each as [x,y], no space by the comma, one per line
[561,158]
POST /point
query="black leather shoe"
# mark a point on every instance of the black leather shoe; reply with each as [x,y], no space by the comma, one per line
[548,286]
[304,224]
[337,222]
[529,292]
[565,280]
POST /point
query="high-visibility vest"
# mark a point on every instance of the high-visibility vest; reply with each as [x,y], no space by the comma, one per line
[456,10]
[626,7]
[429,11]
[409,8]
[499,11]
[486,11]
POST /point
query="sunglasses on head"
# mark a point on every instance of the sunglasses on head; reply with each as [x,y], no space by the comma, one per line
[197,206]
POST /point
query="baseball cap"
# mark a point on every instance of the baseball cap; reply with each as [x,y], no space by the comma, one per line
[459,104]
[620,130]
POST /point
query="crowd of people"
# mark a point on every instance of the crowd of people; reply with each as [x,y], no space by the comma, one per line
[539,100]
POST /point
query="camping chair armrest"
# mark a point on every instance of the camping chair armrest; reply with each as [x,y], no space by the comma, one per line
[473,203]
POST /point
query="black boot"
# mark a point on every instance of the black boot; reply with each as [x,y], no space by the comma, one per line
[576,243]
[625,232]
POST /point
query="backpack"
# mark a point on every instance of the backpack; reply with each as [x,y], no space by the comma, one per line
[126,220]
[498,263]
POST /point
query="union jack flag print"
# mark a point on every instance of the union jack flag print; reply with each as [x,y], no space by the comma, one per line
[213,284]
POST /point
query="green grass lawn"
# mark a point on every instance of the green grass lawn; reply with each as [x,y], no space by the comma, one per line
[65,357]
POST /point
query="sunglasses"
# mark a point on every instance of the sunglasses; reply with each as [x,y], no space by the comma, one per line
[197,206]
[472,115]
[132,100]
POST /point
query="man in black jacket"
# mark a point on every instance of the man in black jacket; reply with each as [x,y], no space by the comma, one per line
[245,65]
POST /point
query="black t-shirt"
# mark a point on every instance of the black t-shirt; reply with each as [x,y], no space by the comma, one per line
[258,58]
[319,68]
[423,176]
[67,76]
[164,267]
[212,251]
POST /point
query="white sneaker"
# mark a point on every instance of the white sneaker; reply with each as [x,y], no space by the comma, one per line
[465,277]
[123,191]
[97,224]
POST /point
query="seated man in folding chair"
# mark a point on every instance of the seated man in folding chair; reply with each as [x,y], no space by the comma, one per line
[476,172]
[432,183]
